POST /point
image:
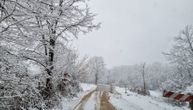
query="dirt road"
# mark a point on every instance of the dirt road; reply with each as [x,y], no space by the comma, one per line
[105,104]
[99,99]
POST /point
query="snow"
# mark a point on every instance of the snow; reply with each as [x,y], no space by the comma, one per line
[87,87]
[189,89]
[120,100]
[155,93]
[32,68]
[138,102]
[69,104]
[91,103]
[122,104]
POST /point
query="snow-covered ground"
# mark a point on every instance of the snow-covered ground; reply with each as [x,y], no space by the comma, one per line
[155,93]
[134,101]
[87,87]
[120,100]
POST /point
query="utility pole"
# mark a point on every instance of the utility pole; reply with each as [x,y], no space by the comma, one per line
[143,73]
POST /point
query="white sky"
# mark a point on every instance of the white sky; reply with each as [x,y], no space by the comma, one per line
[135,31]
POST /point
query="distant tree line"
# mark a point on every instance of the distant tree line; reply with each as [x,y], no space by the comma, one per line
[176,75]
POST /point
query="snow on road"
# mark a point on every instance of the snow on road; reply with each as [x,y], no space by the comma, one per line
[96,100]
[89,103]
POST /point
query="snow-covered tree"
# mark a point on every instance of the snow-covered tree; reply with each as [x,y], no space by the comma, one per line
[155,75]
[181,55]
[95,70]
[39,31]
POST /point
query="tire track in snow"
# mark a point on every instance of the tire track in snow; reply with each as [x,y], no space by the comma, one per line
[105,104]
[91,103]
[95,100]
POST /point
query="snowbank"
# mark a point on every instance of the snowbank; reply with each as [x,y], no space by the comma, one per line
[135,101]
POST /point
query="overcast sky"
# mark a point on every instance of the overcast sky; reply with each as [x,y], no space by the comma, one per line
[135,31]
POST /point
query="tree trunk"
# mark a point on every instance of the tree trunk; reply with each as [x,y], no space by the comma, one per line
[49,85]
[51,56]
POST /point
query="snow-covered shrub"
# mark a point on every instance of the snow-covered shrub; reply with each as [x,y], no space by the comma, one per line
[67,86]
[17,90]
[175,82]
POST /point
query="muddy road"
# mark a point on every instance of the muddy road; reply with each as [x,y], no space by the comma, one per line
[95,100]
